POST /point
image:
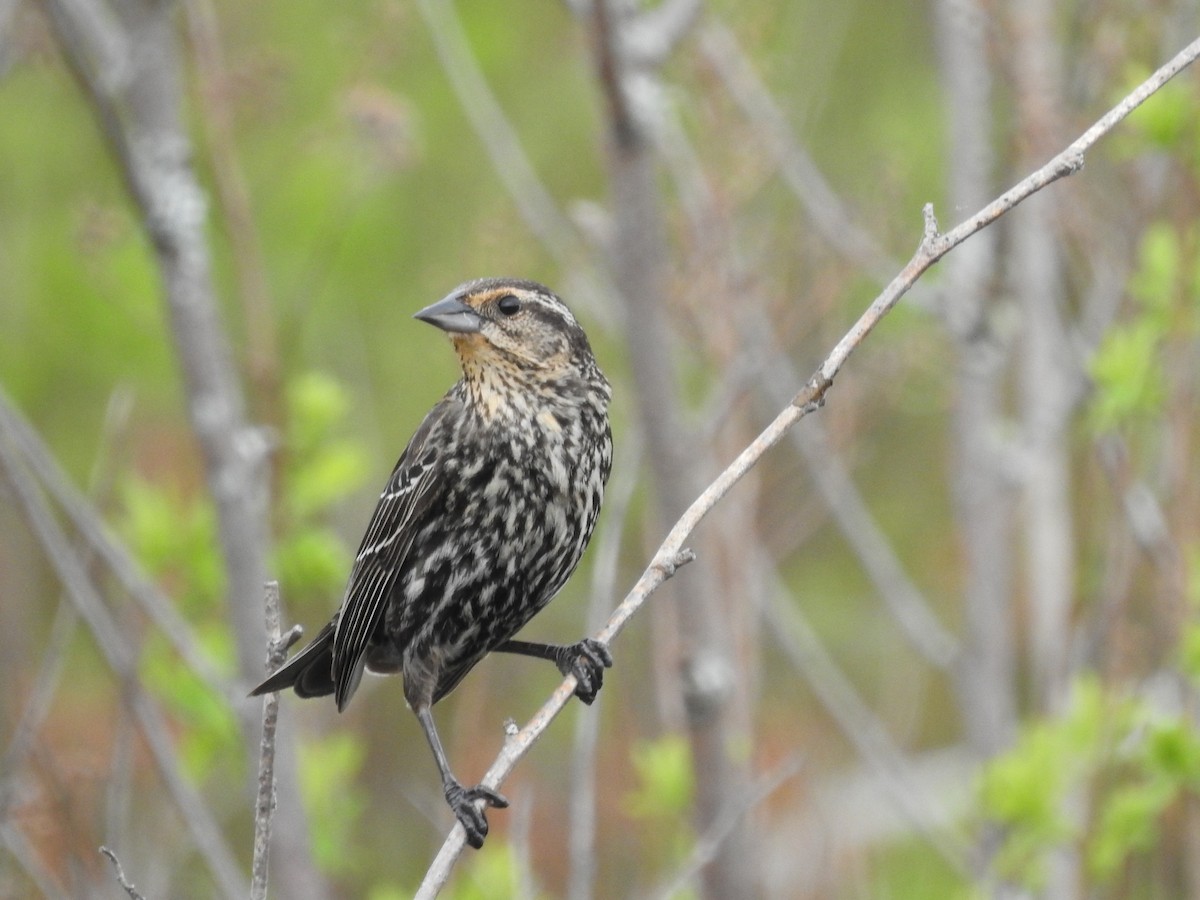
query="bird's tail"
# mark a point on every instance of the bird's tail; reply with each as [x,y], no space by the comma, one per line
[309,673]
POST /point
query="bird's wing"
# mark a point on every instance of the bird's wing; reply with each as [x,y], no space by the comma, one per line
[381,557]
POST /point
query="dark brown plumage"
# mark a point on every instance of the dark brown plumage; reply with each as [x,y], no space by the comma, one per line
[483,519]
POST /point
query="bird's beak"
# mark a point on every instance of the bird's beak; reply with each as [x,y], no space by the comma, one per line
[451,314]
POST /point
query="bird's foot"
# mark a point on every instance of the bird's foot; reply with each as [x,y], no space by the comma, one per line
[587,661]
[474,821]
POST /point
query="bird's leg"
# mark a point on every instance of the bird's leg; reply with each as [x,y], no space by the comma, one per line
[586,660]
[461,799]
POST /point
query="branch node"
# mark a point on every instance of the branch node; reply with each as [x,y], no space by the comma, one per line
[1070,163]
[288,640]
[812,396]
[669,567]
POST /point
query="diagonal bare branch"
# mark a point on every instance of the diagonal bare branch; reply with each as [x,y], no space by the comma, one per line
[85,519]
[122,661]
[706,845]
[672,552]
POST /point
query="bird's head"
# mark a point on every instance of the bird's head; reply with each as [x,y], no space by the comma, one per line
[522,352]
[511,325]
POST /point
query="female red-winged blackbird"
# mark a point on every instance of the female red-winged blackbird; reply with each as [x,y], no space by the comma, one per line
[483,520]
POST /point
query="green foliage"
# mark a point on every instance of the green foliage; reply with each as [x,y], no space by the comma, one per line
[1026,789]
[321,466]
[1128,824]
[492,875]
[662,799]
[175,538]
[311,562]
[666,783]
[1159,275]
[1129,367]
[1100,778]
[905,870]
[1166,118]
[328,773]
[1128,376]
[210,736]
[1163,763]
[316,406]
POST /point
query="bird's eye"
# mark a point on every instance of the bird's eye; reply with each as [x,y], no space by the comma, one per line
[508,305]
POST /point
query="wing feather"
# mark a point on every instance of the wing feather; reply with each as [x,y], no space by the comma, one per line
[410,491]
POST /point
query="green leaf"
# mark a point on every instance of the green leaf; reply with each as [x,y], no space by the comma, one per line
[1157,280]
[1166,117]
[492,875]
[1128,377]
[210,731]
[1173,752]
[328,768]
[1025,789]
[316,404]
[1189,652]
[329,473]
[1128,822]
[311,562]
[664,769]
[176,540]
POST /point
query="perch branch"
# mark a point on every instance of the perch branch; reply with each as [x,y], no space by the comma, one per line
[672,553]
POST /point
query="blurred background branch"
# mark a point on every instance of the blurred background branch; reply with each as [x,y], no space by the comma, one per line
[963,596]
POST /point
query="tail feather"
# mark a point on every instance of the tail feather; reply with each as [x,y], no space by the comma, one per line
[309,673]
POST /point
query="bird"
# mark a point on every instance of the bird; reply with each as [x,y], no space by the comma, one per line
[484,518]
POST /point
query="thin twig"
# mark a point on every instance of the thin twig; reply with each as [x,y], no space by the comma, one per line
[19,848]
[826,210]
[118,792]
[498,138]
[85,520]
[245,246]
[264,808]
[935,245]
[120,873]
[859,724]
[901,597]
[671,553]
[122,661]
[654,33]
[706,846]
[37,704]
[62,630]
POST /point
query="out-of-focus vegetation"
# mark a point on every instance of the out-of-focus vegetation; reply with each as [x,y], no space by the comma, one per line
[371,196]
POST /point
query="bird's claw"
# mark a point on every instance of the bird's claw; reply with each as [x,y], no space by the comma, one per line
[587,661]
[473,819]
